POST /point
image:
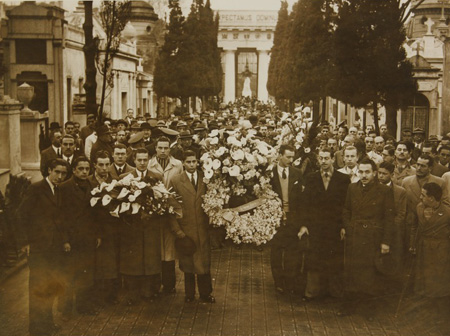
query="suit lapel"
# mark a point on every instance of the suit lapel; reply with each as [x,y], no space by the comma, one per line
[47,191]
[188,184]
[276,181]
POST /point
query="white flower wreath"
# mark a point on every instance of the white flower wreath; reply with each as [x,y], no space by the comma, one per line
[240,165]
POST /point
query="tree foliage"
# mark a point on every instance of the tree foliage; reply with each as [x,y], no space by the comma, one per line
[114,16]
[189,63]
[166,81]
[370,59]
[90,49]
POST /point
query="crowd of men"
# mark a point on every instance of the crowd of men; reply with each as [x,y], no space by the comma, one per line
[355,208]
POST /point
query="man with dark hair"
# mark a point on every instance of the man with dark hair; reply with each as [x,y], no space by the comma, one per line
[414,184]
[437,169]
[284,256]
[89,128]
[167,166]
[350,163]
[140,244]
[431,244]
[342,133]
[323,200]
[402,165]
[368,218]
[83,238]
[388,154]
[51,153]
[107,254]
[68,151]
[194,224]
[46,237]
[444,156]
[119,166]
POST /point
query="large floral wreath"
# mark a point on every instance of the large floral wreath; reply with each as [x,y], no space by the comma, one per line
[239,197]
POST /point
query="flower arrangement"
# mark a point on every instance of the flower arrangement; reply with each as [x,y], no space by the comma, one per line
[239,197]
[132,196]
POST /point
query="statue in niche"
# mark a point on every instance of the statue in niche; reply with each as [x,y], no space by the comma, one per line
[247,91]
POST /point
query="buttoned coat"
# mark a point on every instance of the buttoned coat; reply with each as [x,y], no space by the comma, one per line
[322,215]
[368,218]
[432,268]
[288,232]
[107,254]
[39,218]
[194,223]
[76,215]
[173,168]
[398,176]
[401,236]
[140,240]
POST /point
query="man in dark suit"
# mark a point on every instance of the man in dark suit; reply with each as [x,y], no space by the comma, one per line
[68,152]
[285,256]
[119,166]
[323,200]
[107,254]
[368,218]
[140,243]
[84,237]
[194,224]
[46,239]
[104,141]
[399,248]
[51,153]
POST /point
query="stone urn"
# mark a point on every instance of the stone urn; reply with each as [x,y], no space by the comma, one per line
[25,95]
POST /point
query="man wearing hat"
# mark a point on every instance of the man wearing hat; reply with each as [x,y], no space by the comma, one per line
[136,141]
[418,138]
[147,130]
[184,144]
[104,141]
[121,125]
[182,126]
[166,165]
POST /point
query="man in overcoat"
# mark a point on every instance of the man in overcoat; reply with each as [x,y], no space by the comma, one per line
[119,165]
[194,224]
[368,218]
[84,237]
[51,153]
[45,237]
[166,165]
[323,200]
[107,254]
[140,243]
[285,254]
[430,241]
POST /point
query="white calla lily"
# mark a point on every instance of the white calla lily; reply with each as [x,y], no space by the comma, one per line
[94,201]
[106,200]
[135,208]
[111,186]
[208,173]
[95,191]
[213,141]
[249,157]
[124,207]
[115,213]
[124,192]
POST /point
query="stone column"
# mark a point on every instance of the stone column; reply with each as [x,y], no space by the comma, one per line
[445,107]
[230,76]
[263,74]
[10,147]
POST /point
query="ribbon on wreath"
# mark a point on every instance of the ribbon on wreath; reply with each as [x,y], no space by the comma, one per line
[230,214]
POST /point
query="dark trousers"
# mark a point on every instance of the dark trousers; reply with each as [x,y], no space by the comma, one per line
[168,275]
[204,284]
[141,285]
[285,258]
[44,286]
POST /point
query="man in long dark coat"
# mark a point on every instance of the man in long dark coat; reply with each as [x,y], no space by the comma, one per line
[430,240]
[45,236]
[285,255]
[140,244]
[194,224]
[107,254]
[84,236]
[368,218]
[323,200]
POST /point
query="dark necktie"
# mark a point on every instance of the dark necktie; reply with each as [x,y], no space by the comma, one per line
[68,161]
[120,171]
[326,180]
[193,181]
[58,152]
[284,176]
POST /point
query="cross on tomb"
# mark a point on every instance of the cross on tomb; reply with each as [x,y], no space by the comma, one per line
[429,23]
[443,2]
[418,49]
